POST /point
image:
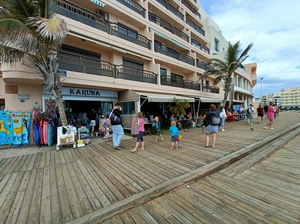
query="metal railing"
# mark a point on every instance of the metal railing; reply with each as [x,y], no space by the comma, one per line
[171,8]
[196,27]
[211,89]
[200,46]
[129,35]
[177,82]
[163,49]
[188,5]
[77,13]
[84,64]
[134,6]
[201,64]
[159,21]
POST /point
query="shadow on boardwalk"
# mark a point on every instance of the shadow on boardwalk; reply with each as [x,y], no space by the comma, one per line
[74,185]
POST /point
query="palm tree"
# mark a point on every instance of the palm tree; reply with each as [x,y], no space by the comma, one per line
[31,33]
[224,69]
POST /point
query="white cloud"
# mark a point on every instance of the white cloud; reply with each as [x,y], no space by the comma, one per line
[274,28]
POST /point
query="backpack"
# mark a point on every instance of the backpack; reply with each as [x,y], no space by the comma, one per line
[214,118]
[248,111]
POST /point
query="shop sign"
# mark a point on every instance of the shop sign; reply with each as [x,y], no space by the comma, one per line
[61,72]
[97,2]
[84,92]
[23,96]
[13,89]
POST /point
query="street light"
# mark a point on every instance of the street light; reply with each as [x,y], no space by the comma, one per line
[261,88]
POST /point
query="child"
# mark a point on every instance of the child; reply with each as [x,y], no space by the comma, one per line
[140,123]
[174,135]
[157,129]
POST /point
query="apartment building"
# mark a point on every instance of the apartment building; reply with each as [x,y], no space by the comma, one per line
[142,53]
[290,98]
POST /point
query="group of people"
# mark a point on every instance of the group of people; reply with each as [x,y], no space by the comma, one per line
[214,120]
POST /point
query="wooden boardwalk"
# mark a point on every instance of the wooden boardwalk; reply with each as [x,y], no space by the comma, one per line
[74,185]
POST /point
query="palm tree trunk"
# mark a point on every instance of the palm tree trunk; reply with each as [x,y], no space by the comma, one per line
[231,95]
[61,111]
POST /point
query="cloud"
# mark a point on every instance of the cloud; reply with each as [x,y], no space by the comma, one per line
[274,28]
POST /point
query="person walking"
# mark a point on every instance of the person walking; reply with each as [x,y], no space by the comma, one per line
[266,111]
[271,111]
[140,123]
[249,112]
[212,121]
[223,118]
[174,135]
[157,129]
[92,117]
[260,113]
[117,128]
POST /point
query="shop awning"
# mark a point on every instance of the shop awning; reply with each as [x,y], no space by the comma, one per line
[130,95]
[210,100]
[164,98]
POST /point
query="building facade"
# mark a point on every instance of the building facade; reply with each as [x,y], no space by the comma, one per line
[142,53]
[290,98]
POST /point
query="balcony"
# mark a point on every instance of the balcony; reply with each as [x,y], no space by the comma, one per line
[134,6]
[200,46]
[77,13]
[211,89]
[128,73]
[159,21]
[175,82]
[188,5]
[171,8]
[201,64]
[83,64]
[197,28]
[129,35]
[163,49]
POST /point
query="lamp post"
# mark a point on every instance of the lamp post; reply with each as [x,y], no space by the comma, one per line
[261,88]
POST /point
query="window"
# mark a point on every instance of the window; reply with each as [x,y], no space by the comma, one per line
[176,78]
[128,62]
[128,107]
[163,73]
[217,45]
[127,31]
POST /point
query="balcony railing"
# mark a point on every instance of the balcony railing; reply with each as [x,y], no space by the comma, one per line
[211,89]
[197,28]
[129,35]
[163,49]
[200,46]
[134,6]
[78,63]
[175,82]
[201,64]
[171,8]
[77,13]
[159,21]
[188,5]
[128,73]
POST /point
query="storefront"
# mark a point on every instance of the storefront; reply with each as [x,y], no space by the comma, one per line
[82,100]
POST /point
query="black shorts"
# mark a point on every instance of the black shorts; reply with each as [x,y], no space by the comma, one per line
[158,132]
[140,137]
[260,115]
[174,138]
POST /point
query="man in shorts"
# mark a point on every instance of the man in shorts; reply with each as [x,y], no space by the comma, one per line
[260,113]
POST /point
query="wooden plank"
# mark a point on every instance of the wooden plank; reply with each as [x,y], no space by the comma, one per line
[136,216]
[10,198]
[26,163]
[4,164]
[35,207]
[94,172]
[37,160]
[64,206]
[87,190]
[42,160]
[123,178]
[117,181]
[20,163]
[139,179]
[11,166]
[94,186]
[18,200]
[163,211]
[126,218]
[6,187]
[84,203]
[71,192]
[26,205]
[55,206]
[31,163]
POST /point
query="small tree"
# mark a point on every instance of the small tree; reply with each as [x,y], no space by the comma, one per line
[179,107]
[224,69]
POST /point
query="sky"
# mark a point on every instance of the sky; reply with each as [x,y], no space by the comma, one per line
[273,26]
